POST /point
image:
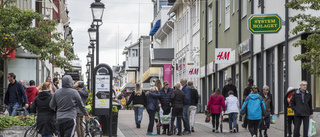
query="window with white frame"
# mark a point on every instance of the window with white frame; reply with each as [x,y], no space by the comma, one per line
[194,13]
[210,23]
[227,15]
[134,52]
[244,8]
[234,6]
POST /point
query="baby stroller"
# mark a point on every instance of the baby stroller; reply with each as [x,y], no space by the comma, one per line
[164,120]
[225,118]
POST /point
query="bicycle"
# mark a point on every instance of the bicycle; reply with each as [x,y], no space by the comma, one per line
[92,128]
[33,132]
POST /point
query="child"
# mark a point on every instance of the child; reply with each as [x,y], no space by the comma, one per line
[232,104]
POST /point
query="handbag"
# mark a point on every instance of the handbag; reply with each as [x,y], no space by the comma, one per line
[208,115]
[262,125]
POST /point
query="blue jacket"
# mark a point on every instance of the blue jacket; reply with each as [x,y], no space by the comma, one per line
[187,91]
[165,98]
[255,106]
[152,101]
[15,93]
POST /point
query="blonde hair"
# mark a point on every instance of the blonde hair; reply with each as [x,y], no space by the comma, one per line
[158,84]
[138,90]
[46,86]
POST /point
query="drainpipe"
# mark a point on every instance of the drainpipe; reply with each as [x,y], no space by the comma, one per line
[239,41]
[205,91]
[251,42]
[262,49]
[166,34]
[172,33]
[216,46]
[287,62]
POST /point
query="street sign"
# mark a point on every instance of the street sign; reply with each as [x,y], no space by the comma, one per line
[264,23]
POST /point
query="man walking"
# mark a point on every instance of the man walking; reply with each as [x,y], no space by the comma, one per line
[193,104]
[186,90]
[65,101]
[15,96]
[56,82]
[229,87]
[165,93]
[267,98]
[301,104]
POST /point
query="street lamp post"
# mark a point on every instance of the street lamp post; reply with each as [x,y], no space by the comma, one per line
[97,9]
[87,73]
[91,47]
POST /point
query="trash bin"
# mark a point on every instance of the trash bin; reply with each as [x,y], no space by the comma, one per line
[114,124]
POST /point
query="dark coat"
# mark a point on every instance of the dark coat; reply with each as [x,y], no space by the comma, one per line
[187,92]
[194,96]
[84,95]
[46,116]
[227,88]
[15,93]
[178,99]
[142,99]
[152,101]
[246,92]
[165,98]
[300,107]
[268,103]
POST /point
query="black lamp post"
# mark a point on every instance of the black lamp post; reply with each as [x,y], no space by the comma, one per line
[91,49]
[87,75]
[97,9]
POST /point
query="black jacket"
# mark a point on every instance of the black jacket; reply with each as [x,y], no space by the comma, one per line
[15,93]
[227,88]
[165,98]
[178,99]
[246,92]
[84,95]
[268,103]
[142,99]
[194,96]
[46,116]
[300,107]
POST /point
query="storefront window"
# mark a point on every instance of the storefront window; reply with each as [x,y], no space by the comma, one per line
[25,69]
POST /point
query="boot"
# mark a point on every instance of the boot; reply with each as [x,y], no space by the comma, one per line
[260,133]
[265,133]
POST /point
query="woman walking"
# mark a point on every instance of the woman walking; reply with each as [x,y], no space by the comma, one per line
[46,116]
[177,100]
[215,103]
[151,108]
[139,100]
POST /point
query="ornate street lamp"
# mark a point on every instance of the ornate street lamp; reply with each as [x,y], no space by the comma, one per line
[90,48]
[92,31]
[88,66]
[97,9]
[89,58]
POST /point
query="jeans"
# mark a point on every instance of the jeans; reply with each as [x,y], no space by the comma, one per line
[138,114]
[12,108]
[185,118]
[253,126]
[46,135]
[192,115]
[233,119]
[297,124]
[151,120]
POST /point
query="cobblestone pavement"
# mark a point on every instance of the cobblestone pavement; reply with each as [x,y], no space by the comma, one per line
[127,127]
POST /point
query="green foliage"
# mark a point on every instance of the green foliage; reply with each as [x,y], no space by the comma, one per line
[43,40]
[308,24]
[9,121]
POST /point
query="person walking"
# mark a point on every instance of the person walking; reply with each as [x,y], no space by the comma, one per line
[46,123]
[24,86]
[267,98]
[228,87]
[53,88]
[15,96]
[194,97]
[84,95]
[215,104]
[232,104]
[256,110]
[66,100]
[31,92]
[56,82]
[139,101]
[301,104]
[186,90]
[165,98]
[246,92]
[152,98]
[177,101]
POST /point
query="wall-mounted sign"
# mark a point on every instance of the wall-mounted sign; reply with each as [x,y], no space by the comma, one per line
[193,71]
[244,47]
[223,55]
[264,23]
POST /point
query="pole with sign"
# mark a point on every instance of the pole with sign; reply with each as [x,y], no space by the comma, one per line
[288,115]
[102,100]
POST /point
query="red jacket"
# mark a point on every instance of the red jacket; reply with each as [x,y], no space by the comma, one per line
[32,92]
[215,104]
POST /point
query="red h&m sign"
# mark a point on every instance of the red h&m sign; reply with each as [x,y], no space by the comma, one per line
[223,55]
[9,52]
[193,71]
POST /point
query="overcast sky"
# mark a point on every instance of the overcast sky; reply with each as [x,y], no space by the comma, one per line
[120,18]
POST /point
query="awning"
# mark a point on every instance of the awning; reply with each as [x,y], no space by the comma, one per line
[155,28]
[151,72]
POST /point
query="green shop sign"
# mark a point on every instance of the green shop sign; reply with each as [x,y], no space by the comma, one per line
[264,23]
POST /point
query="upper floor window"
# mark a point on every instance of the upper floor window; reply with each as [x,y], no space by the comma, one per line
[244,8]
[134,53]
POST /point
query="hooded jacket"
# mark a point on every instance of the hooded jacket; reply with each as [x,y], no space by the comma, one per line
[66,100]
[46,116]
[255,106]
[232,104]
[31,92]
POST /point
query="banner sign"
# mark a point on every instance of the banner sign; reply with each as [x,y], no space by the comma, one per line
[167,76]
[223,56]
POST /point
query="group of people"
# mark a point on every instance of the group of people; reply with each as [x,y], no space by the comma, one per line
[181,101]
[58,109]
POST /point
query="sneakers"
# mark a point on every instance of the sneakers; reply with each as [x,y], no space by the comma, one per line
[235,130]
[230,131]
[151,134]
[138,125]
[192,130]
[254,136]
[213,130]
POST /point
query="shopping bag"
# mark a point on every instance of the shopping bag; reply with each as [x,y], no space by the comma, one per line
[272,119]
[208,115]
[312,128]
[6,112]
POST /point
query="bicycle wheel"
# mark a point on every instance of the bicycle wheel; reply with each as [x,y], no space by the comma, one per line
[31,131]
[95,128]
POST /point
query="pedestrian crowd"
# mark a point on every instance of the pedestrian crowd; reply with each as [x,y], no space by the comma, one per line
[180,102]
[59,110]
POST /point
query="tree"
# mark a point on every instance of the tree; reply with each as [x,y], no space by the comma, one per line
[309,24]
[16,31]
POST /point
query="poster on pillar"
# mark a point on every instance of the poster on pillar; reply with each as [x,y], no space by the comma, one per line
[167,76]
[192,71]
[223,56]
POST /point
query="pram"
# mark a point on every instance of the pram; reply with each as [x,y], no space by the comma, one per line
[164,120]
[225,118]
